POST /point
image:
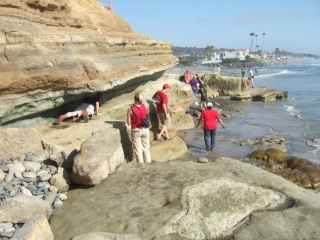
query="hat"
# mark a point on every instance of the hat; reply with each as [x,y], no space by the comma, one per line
[209,104]
[166,85]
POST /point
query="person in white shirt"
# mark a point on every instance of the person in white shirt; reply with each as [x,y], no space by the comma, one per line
[251,77]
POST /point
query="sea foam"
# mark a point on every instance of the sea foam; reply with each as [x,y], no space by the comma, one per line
[293,111]
[270,75]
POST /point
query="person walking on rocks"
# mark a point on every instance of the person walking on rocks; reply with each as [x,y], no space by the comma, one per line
[202,92]
[187,76]
[194,86]
[139,133]
[89,106]
[210,118]
[243,73]
[251,77]
[200,82]
[162,101]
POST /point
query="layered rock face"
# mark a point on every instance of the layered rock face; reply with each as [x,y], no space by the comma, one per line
[55,52]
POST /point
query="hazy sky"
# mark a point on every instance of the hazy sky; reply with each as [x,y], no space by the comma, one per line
[290,25]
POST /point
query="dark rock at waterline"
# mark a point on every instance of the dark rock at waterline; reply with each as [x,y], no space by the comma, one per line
[300,171]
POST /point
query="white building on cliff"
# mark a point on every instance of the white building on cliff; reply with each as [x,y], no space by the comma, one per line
[221,55]
[214,58]
[234,54]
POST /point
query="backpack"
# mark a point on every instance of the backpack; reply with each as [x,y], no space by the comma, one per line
[182,78]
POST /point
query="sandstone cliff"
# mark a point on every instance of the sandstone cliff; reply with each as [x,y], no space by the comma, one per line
[55,52]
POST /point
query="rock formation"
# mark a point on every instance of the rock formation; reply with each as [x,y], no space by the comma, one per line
[98,157]
[225,85]
[55,52]
[300,171]
[189,200]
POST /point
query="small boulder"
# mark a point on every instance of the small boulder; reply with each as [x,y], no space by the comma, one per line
[2,175]
[32,166]
[203,160]
[61,180]
[275,155]
[259,154]
[22,208]
[16,166]
[36,228]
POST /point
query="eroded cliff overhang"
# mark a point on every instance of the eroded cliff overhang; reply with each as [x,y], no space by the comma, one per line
[55,51]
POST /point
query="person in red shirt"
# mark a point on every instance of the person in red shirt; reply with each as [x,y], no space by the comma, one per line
[161,99]
[210,117]
[140,134]
[187,76]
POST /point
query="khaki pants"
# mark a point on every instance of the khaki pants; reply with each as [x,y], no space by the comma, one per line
[141,144]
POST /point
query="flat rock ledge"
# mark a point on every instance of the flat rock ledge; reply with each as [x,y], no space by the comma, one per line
[260,94]
[187,200]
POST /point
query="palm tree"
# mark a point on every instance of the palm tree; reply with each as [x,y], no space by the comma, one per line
[256,41]
[257,47]
[262,40]
[251,34]
[208,50]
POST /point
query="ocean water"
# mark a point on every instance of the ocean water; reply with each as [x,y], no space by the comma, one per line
[297,119]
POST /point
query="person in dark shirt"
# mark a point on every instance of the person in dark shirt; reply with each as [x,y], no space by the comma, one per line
[89,106]
[243,73]
[202,92]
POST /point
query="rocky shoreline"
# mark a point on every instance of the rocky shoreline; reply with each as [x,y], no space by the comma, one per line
[259,63]
[55,53]
[268,154]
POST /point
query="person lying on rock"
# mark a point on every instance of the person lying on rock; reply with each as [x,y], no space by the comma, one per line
[89,106]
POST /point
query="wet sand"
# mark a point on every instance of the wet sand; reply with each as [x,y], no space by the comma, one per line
[248,120]
[227,140]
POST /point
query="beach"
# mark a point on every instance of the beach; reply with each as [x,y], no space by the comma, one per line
[296,119]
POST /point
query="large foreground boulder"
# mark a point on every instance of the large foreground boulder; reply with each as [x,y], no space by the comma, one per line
[206,208]
[188,200]
[99,155]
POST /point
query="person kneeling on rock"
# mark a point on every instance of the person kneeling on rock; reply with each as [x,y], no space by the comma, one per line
[89,106]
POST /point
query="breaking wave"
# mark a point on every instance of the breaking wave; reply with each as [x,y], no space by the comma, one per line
[294,111]
[269,75]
